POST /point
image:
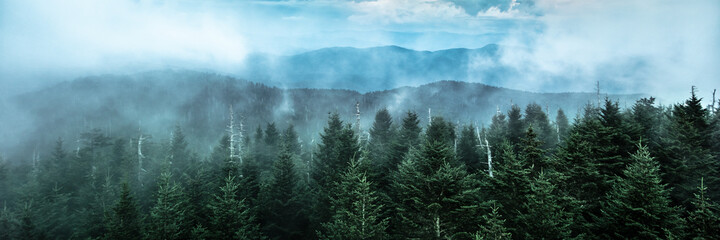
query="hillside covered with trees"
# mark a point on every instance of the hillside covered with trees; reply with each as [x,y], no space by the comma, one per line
[645,171]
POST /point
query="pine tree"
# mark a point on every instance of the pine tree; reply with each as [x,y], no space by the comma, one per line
[338,147]
[408,137]
[199,186]
[515,126]
[441,131]
[536,117]
[532,153]
[563,126]
[8,223]
[492,227]
[290,140]
[436,197]
[468,152]
[178,153]
[381,149]
[283,218]
[498,131]
[686,155]
[511,184]
[27,227]
[613,142]
[125,221]
[357,214]
[230,218]
[167,217]
[638,206]
[703,220]
[545,215]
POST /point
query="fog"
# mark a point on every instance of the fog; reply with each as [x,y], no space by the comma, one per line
[552,45]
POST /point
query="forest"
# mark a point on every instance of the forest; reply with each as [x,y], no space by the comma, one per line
[645,171]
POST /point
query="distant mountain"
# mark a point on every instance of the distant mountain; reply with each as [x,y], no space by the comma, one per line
[154,102]
[373,69]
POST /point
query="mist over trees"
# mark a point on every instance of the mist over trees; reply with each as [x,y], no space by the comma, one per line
[644,171]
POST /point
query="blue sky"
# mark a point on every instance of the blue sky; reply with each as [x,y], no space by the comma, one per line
[632,45]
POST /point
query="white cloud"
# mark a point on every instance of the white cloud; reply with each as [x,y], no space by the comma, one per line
[406,11]
[659,48]
[88,34]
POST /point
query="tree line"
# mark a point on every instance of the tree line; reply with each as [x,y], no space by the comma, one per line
[646,172]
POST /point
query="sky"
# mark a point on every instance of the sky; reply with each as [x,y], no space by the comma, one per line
[659,47]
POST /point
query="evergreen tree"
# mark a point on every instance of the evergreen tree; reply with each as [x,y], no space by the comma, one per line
[498,131]
[515,126]
[125,221]
[686,152]
[638,206]
[272,140]
[532,153]
[199,186]
[381,149]
[8,223]
[290,140]
[283,218]
[167,217]
[493,227]
[545,216]
[436,197]
[511,184]
[357,214]
[468,152]
[338,146]
[536,117]
[441,131]
[230,217]
[178,152]
[27,227]
[408,137]
[703,220]
[563,126]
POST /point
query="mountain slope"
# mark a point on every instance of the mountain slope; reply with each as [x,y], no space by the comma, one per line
[372,69]
[154,102]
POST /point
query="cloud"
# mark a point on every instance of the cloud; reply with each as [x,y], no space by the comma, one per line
[88,34]
[629,46]
[406,11]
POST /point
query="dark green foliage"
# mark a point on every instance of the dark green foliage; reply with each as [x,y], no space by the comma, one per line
[437,198]
[338,147]
[468,151]
[536,117]
[441,131]
[511,184]
[562,125]
[492,227]
[408,137]
[8,223]
[167,217]
[687,152]
[515,125]
[532,153]
[703,220]
[283,210]
[638,205]
[545,215]
[125,220]
[178,153]
[613,142]
[382,149]
[400,184]
[230,218]
[497,133]
[290,140]
[357,214]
